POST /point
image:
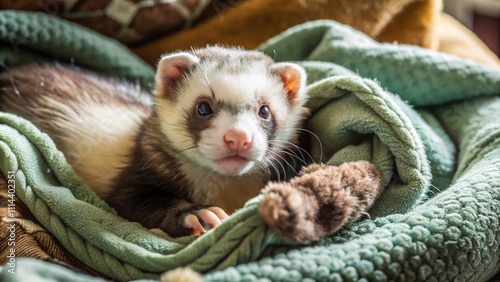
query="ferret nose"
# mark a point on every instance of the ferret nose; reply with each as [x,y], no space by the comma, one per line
[238,140]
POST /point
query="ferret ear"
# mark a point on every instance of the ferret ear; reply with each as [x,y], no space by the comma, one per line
[293,77]
[171,68]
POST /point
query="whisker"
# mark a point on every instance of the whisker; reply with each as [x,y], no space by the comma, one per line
[267,170]
[291,156]
[292,153]
[260,166]
[297,147]
[284,160]
[280,164]
[276,170]
[314,135]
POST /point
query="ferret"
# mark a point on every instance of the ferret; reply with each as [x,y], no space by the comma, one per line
[219,121]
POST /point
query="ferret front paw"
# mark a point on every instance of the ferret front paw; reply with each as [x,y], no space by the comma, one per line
[203,220]
[193,220]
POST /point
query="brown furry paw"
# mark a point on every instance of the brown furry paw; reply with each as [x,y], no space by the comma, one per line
[288,211]
[320,200]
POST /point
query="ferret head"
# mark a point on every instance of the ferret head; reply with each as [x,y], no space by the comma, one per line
[230,110]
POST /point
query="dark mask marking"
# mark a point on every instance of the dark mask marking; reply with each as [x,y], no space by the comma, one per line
[195,123]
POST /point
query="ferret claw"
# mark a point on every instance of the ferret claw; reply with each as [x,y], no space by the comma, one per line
[205,219]
[208,217]
[220,213]
[192,222]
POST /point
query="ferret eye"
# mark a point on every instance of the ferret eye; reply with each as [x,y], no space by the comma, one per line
[264,112]
[204,109]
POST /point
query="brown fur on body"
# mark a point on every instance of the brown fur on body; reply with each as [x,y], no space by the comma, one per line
[144,157]
[92,119]
[144,182]
[147,183]
[320,200]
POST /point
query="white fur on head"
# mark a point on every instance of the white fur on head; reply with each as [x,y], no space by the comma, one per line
[240,81]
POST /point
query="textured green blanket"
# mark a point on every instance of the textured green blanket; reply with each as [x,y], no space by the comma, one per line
[437,215]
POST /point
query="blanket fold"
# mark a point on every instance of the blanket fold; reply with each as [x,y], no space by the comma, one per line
[37,37]
[341,44]
[442,233]
[367,111]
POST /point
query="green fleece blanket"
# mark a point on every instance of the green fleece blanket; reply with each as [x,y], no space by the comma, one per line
[437,214]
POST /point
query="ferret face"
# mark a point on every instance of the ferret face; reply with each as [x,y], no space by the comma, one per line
[230,111]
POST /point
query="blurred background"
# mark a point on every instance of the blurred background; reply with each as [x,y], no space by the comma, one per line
[481,16]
